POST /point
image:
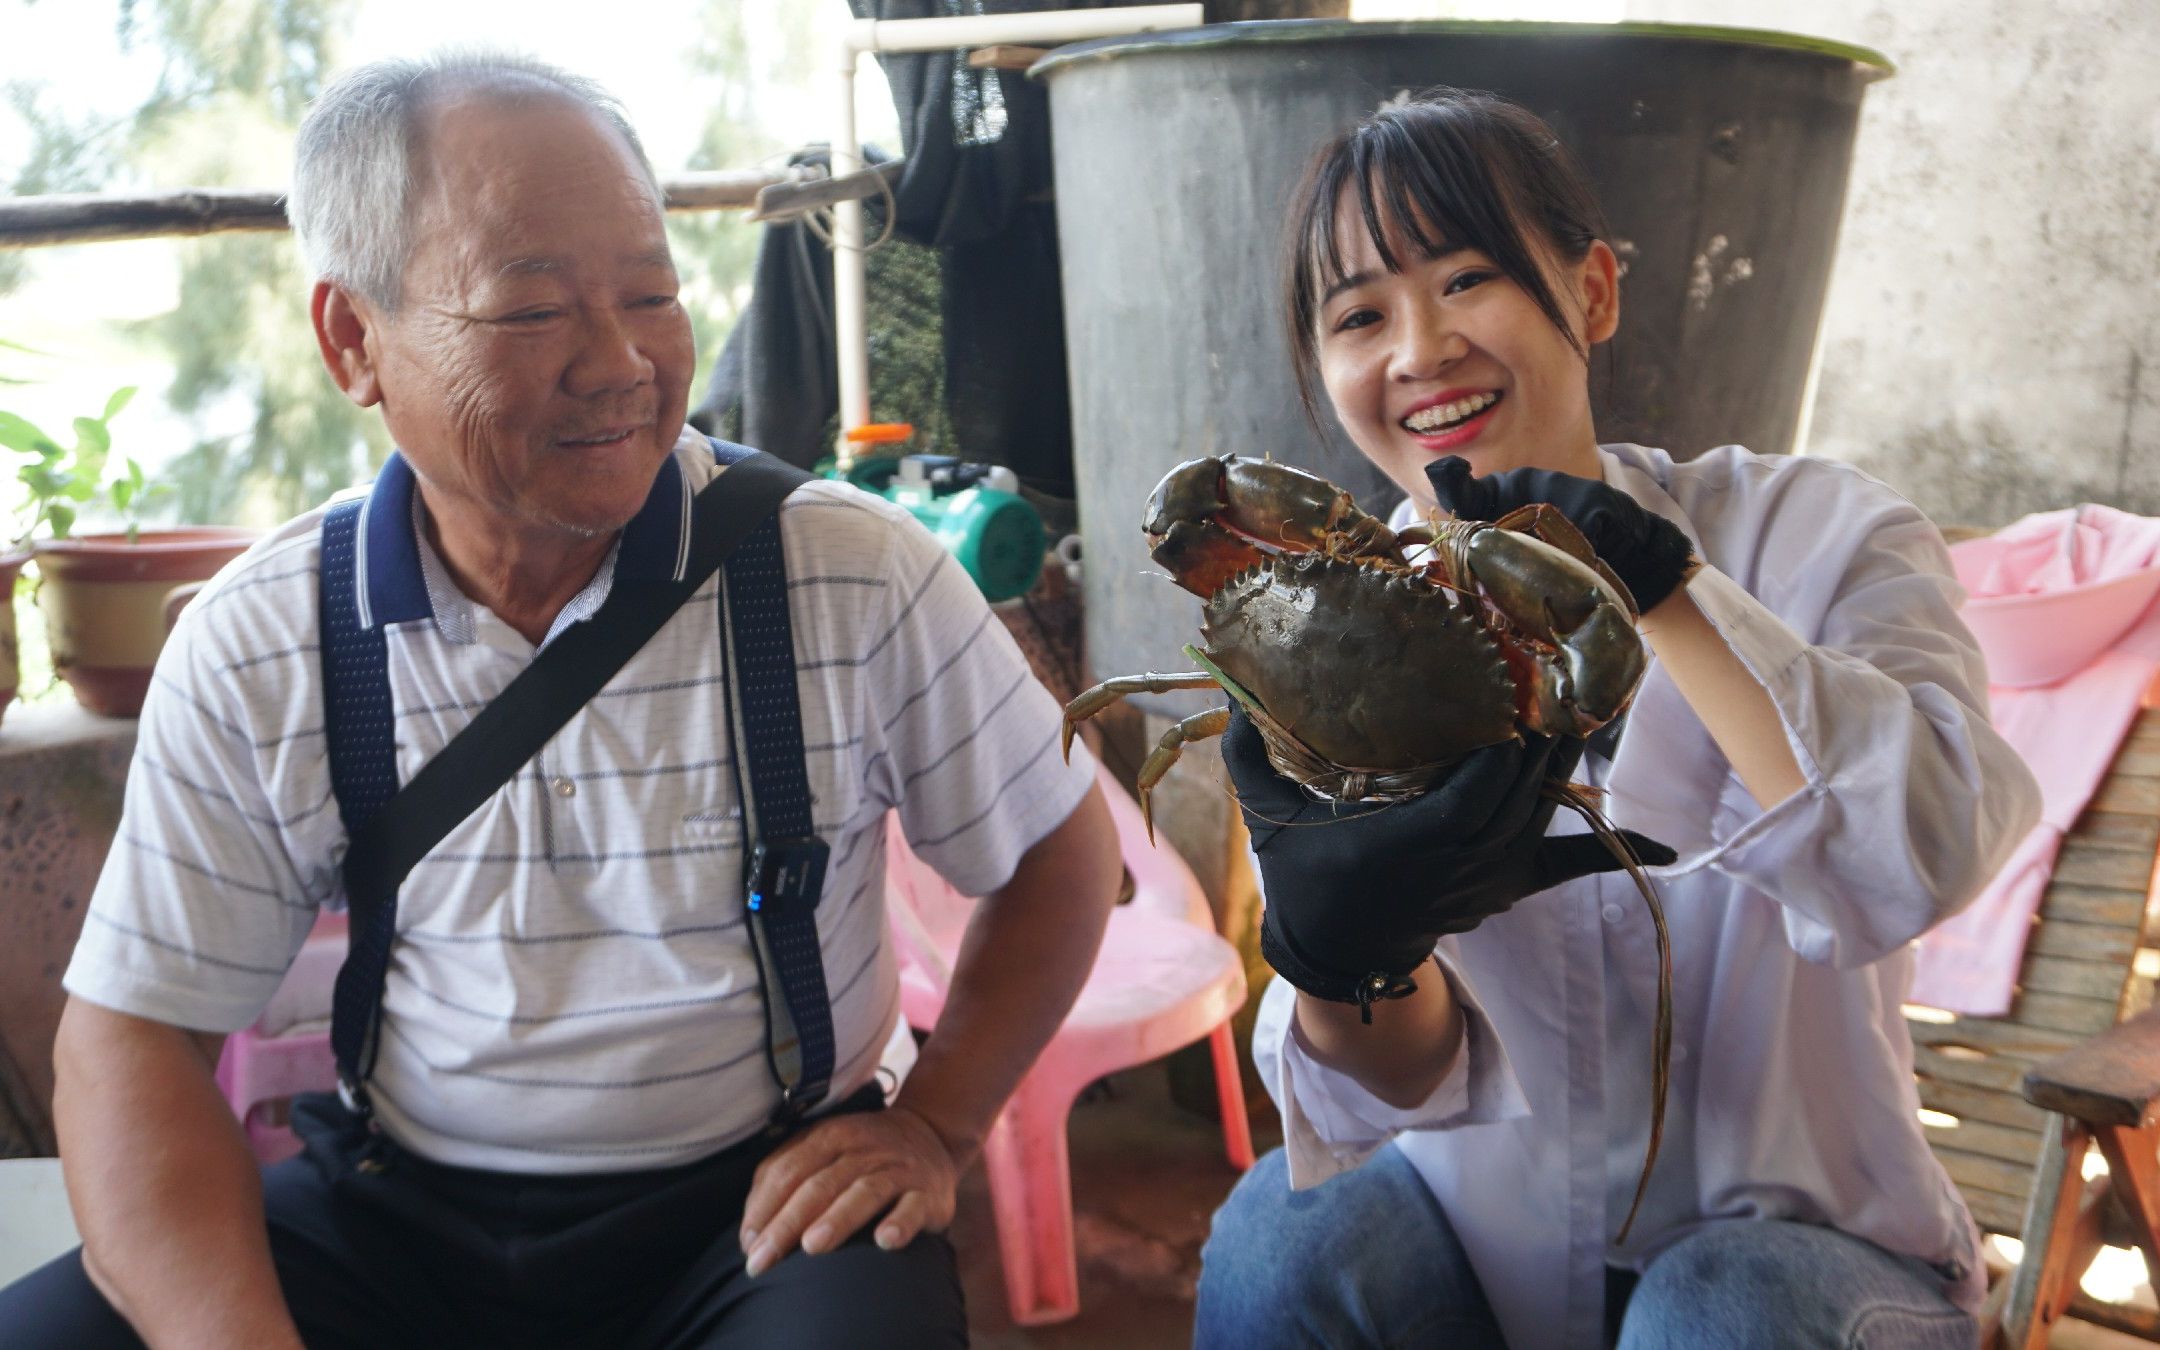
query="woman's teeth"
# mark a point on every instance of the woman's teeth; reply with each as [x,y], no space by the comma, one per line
[1443,415]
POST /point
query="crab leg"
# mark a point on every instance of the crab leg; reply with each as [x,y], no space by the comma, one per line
[1579,801]
[1093,701]
[1198,727]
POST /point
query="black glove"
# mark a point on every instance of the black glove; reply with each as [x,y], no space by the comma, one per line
[1647,552]
[1358,895]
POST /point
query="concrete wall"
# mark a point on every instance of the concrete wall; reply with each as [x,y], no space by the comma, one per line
[1991,345]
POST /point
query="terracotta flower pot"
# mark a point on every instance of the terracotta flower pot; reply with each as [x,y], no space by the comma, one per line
[11,565]
[104,603]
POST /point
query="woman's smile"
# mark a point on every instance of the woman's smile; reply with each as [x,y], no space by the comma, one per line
[1452,419]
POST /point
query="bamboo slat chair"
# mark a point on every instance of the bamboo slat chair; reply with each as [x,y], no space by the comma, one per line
[2016,1099]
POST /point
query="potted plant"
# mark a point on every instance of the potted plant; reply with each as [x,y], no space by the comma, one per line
[11,565]
[103,595]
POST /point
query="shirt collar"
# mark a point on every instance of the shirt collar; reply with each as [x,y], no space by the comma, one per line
[654,546]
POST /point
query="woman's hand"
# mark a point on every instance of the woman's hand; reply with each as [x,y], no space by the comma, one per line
[1357,896]
[1653,558]
[1650,554]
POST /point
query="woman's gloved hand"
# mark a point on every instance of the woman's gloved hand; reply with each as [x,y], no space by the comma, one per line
[1649,553]
[1357,896]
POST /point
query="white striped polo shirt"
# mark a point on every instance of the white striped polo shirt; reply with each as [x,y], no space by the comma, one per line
[572,989]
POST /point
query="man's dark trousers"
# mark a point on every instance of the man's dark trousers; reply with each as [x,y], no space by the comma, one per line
[377,1248]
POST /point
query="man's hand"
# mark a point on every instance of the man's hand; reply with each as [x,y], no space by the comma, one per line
[1027,952]
[818,1189]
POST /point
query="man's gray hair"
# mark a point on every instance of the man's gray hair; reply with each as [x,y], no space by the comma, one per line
[352,184]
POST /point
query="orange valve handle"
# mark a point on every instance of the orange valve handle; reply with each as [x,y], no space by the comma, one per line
[880,433]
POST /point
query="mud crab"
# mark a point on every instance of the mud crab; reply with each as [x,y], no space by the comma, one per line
[1371,661]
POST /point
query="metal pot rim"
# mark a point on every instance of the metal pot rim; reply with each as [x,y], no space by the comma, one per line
[1874,65]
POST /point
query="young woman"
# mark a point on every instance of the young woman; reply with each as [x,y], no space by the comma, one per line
[1465,1079]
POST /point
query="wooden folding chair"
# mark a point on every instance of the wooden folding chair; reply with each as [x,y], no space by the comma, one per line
[2106,1092]
[2017,1099]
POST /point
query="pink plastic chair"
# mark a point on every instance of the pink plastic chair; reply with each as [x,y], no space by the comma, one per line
[1164,979]
[288,1048]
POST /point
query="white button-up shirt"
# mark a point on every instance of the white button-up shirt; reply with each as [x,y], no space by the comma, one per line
[1792,1091]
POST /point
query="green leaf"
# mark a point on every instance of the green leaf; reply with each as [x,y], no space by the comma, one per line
[17,433]
[61,517]
[118,401]
[92,440]
[122,492]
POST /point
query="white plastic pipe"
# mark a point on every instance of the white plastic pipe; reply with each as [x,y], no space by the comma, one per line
[1042,28]
[851,328]
[850,325]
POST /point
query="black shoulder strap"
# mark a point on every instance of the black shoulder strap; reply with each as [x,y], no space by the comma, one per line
[389,830]
[784,859]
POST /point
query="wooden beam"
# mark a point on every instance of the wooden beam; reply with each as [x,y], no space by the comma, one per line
[88,217]
[2005,1143]
[2127,1318]
[2133,1159]
[1996,1037]
[722,189]
[1006,56]
[2066,1012]
[2056,1227]
[2111,1079]
[782,200]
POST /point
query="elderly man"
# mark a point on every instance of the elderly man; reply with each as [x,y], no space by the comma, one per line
[568,1141]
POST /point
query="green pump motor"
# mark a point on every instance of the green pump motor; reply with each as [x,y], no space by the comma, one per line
[974,510]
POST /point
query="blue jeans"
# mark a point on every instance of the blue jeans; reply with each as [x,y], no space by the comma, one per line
[1369,1259]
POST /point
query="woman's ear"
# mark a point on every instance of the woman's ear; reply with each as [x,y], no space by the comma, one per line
[342,321]
[1598,275]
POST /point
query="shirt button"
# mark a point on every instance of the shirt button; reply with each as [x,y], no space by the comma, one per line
[1679,1052]
[1614,914]
[565,788]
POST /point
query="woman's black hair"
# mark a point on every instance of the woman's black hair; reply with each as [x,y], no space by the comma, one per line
[1448,168]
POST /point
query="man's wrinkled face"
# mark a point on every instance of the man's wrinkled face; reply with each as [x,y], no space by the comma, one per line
[537,370]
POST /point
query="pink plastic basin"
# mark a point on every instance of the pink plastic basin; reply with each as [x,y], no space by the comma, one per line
[2038,639]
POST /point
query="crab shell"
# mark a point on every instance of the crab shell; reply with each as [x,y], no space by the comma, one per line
[1355,655]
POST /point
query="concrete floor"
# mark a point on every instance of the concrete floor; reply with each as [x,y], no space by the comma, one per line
[2072,1335]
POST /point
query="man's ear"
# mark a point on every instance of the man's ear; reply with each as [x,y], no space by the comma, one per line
[1599,276]
[342,324]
